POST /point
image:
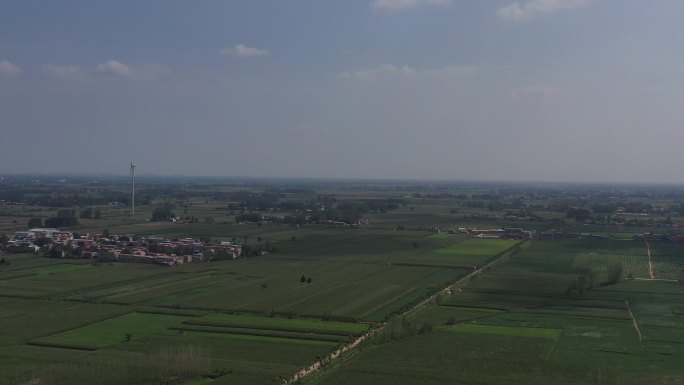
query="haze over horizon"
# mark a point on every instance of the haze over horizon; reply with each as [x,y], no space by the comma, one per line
[540,90]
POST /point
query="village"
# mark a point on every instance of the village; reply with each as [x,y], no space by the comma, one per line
[108,247]
[500,233]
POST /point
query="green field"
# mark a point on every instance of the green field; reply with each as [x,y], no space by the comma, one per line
[279,323]
[518,324]
[214,313]
[543,312]
[443,315]
[508,331]
[113,331]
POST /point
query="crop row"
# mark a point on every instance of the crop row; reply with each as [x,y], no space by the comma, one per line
[600,263]
[64,345]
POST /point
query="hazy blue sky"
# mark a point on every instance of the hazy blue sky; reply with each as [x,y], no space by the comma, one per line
[448,89]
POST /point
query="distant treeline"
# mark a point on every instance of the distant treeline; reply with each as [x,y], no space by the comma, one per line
[321,208]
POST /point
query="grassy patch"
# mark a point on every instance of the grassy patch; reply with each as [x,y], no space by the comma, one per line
[443,315]
[477,247]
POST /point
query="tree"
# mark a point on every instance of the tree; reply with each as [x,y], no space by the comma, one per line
[35,222]
[614,273]
[163,213]
[64,218]
[581,283]
[579,214]
[40,242]
[56,251]
[86,213]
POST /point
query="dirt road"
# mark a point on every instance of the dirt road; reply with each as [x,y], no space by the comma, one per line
[636,324]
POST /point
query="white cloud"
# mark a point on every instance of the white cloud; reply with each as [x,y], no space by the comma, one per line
[243,51]
[407,72]
[387,70]
[63,72]
[453,71]
[9,70]
[406,4]
[534,93]
[527,10]
[116,68]
[144,71]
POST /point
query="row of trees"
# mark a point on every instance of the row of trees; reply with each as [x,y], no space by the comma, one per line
[163,213]
[65,218]
[347,211]
[581,283]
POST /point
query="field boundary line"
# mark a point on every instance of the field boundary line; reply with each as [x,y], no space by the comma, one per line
[316,366]
[656,279]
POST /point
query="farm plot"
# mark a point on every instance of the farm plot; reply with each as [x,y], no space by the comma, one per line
[243,359]
[642,290]
[470,252]
[59,280]
[493,300]
[446,315]
[304,329]
[352,245]
[510,331]
[524,303]
[447,357]
[151,287]
[633,265]
[23,261]
[285,324]
[517,282]
[559,256]
[668,260]
[18,359]
[22,320]
[237,348]
[112,331]
[353,290]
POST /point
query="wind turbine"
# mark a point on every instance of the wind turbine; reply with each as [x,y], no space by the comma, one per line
[132,173]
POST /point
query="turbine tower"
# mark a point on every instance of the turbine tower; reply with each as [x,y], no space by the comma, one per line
[132,173]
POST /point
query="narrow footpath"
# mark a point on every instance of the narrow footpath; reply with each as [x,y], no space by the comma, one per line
[635,323]
[650,262]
